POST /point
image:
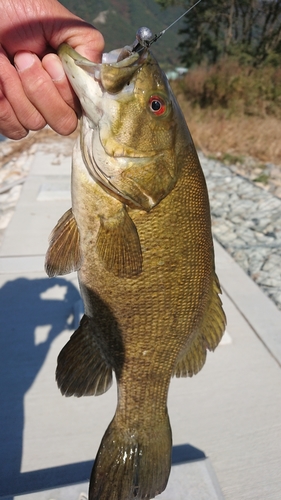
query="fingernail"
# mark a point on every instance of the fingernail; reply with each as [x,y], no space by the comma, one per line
[54,67]
[24,60]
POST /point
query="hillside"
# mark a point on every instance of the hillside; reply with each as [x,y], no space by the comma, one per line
[118,20]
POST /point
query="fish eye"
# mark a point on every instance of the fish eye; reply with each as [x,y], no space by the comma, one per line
[157,105]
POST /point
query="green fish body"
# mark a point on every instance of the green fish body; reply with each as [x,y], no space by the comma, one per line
[139,235]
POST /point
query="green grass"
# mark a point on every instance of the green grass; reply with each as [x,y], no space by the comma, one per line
[263,178]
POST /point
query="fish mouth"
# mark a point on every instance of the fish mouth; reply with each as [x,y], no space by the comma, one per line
[65,52]
[116,68]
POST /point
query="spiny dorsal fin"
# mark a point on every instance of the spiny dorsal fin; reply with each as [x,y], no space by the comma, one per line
[118,245]
[193,358]
[63,255]
[81,369]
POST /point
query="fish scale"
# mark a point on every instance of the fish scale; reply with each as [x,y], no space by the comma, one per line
[139,235]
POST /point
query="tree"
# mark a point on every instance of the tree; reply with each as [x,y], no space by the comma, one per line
[249,30]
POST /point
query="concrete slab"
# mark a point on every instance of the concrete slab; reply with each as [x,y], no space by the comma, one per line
[230,413]
[199,475]
[44,199]
[258,310]
[18,264]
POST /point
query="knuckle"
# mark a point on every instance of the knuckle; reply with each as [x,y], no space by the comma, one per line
[16,135]
[65,123]
[36,121]
[9,124]
[13,133]
[37,87]
[31,119]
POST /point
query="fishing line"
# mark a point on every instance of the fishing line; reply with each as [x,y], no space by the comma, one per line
[178,19]
[144,35]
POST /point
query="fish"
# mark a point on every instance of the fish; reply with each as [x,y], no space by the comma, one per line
[139,236]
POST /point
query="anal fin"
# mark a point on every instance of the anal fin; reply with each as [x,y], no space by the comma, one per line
[81,368]
[63,255]
[192,359]
[118,245]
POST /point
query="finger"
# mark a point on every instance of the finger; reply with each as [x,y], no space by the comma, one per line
[43,94]
[91,45]
[52,64]
[80,35]
[15,111]
[9,124]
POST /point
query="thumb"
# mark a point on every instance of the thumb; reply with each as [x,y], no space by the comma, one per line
[82,36]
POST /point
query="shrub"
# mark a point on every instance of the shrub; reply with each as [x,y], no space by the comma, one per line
[237,89]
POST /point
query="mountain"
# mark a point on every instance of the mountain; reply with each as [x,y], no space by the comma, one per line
[118,20]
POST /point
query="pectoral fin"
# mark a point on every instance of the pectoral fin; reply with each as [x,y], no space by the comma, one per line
[192,359]
[118,245]
[63,255]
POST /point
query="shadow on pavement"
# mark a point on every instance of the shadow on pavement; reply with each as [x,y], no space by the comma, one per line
[70,474]
[25,306]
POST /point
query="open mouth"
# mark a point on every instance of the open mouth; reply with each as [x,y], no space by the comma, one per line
[115,70]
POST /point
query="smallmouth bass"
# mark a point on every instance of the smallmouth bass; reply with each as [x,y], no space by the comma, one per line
[139,236]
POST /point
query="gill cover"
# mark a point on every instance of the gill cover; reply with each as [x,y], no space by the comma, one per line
[128,129]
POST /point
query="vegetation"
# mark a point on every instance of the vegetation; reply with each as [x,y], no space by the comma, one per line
[249,30]
[238,136]
[233,109]
[231,95]
[235,89]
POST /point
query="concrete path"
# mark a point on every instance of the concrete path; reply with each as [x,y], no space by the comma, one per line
[226,421]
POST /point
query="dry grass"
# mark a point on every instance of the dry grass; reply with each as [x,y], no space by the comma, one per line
[239,136]
[234,88]
[233,109]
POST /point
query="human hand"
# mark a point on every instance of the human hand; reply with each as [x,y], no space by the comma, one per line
[35,91]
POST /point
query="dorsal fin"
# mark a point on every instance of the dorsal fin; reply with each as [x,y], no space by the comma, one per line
[63,255]
[192,359]
[118,245]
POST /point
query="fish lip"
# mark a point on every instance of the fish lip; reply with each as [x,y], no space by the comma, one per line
[65,49]
[65,52]
[95,68]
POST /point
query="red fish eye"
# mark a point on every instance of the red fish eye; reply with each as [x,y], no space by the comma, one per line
[157,105]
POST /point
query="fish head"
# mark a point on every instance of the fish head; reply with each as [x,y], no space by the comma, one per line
[132,129]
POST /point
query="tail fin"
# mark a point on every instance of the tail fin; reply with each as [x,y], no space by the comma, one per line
[131,464]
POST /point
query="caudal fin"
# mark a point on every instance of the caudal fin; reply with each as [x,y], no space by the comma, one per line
[132,464]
